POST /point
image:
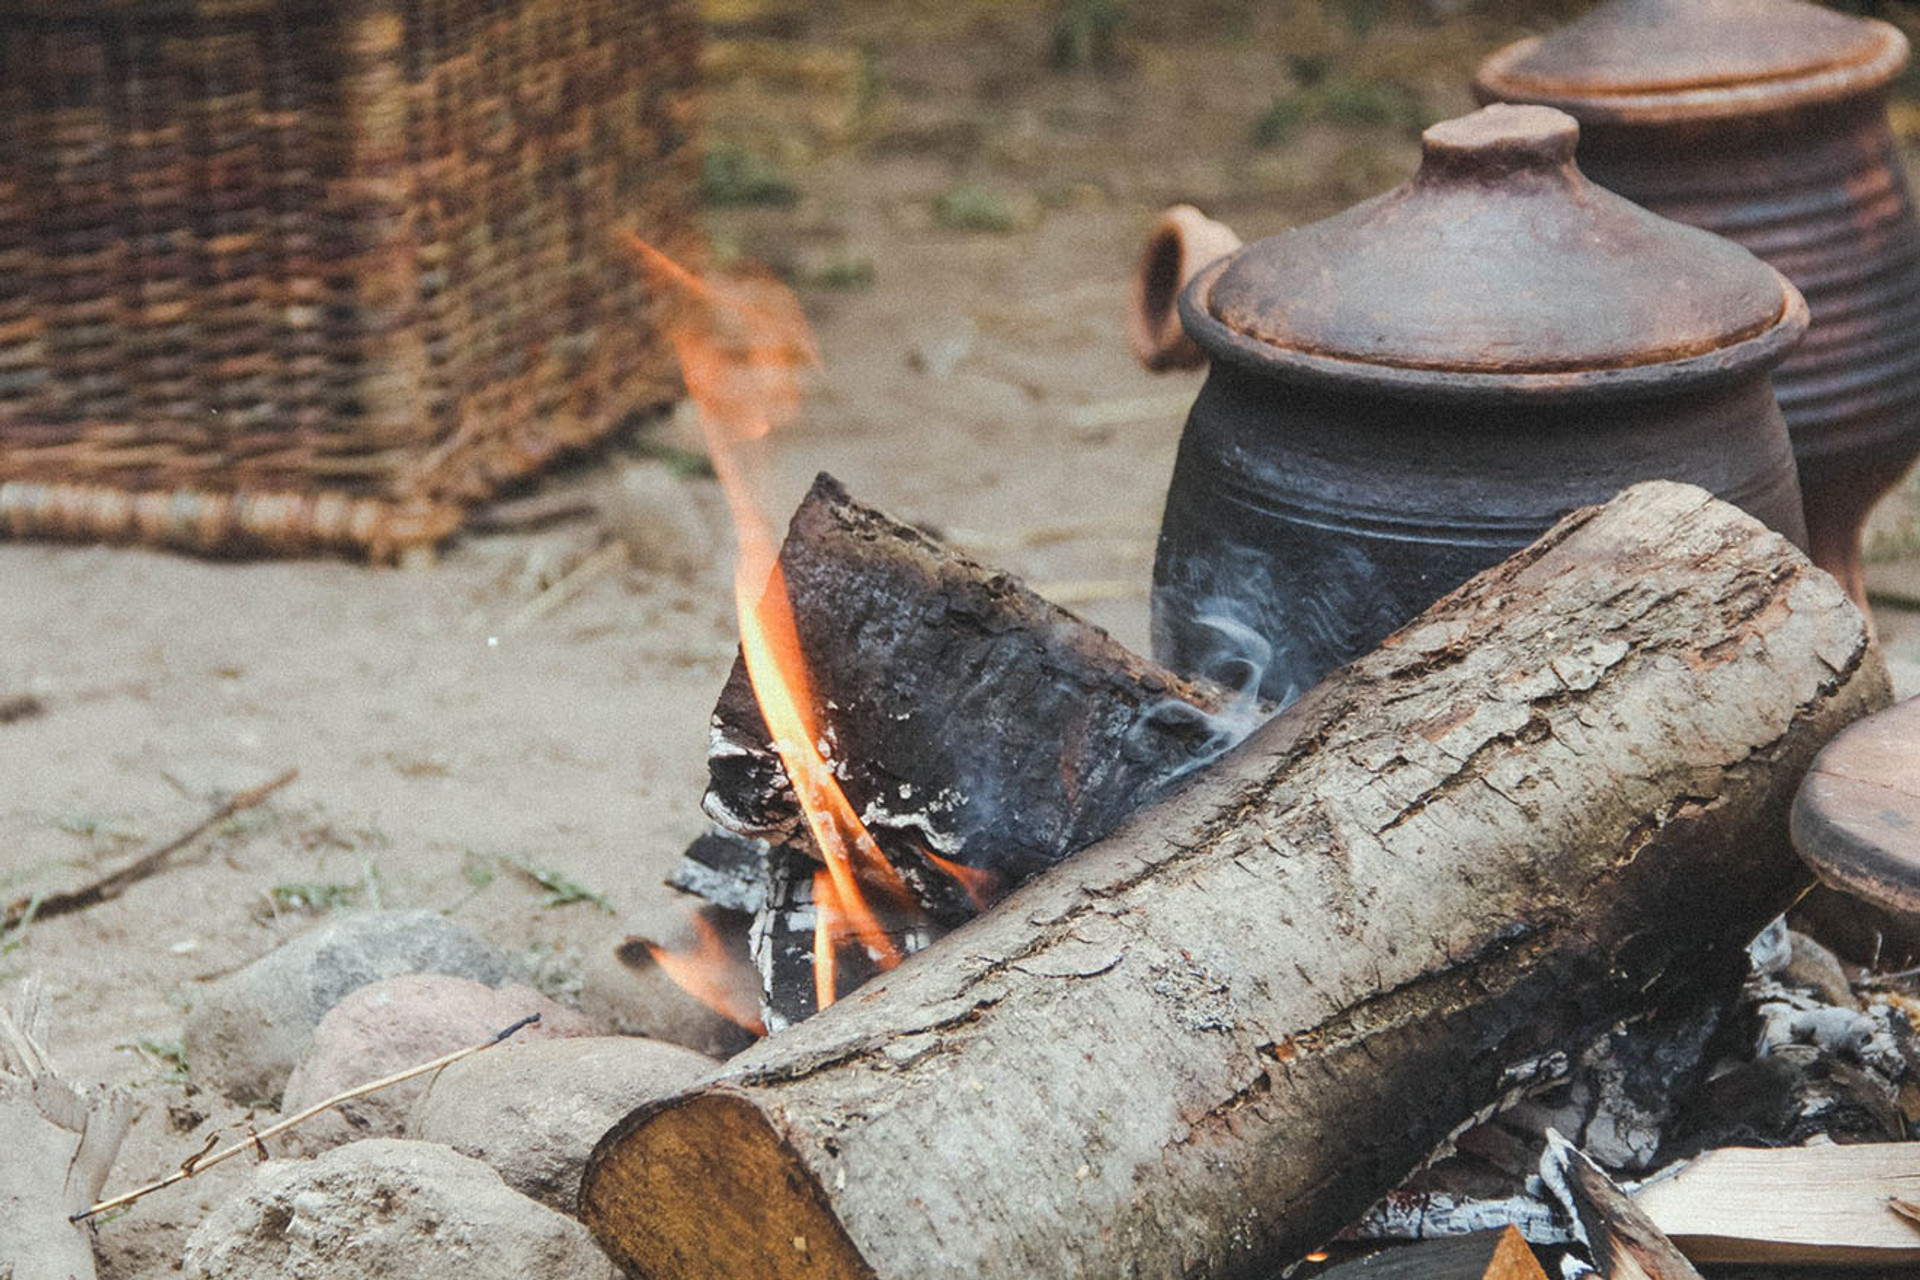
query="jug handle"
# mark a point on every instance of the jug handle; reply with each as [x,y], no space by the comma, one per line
[1182,243]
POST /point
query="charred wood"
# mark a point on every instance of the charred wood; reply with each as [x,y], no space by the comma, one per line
[1200,1047]
[1621,1240]
[1484,1255]
[967,717]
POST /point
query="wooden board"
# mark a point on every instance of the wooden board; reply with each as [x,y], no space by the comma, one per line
[1824,1204]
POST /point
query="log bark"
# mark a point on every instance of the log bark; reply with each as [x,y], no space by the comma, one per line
[965,715]
[1200,1047]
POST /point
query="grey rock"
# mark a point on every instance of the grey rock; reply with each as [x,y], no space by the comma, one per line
[534,1111]
[396,1023]
[248,1030]
[1816,969]
[384,1208]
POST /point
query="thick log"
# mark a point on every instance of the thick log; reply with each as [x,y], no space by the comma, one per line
[964,715]
[1556,799]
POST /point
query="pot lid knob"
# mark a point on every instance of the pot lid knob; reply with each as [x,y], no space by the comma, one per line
[1496,141]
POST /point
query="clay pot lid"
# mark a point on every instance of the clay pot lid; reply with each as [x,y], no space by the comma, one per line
[1497,263]
[1856,820]
[1632,60]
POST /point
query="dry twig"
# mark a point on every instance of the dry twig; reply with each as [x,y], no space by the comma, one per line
[611,556]
[114,883]
[256,1142]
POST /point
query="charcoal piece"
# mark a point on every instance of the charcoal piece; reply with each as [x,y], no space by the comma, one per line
[727,870]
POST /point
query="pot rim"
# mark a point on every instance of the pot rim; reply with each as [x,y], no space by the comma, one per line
[1708,369]
[1493,83]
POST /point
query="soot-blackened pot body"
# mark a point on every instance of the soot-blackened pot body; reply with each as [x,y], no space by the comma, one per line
[1411,391]
[1765,121]
[1322,518]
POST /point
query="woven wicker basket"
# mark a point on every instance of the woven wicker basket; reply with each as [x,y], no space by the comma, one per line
[290,275]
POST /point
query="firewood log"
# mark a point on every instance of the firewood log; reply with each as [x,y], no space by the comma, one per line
[1622,1242]
[1822,1205]
[1555,800]
[967,717]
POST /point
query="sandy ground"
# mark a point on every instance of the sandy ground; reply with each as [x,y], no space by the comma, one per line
[450,719]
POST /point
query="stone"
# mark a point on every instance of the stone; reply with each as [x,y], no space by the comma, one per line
[247,1030]
[389,1207]
[396,1023]
[1816,969]
[534,1111]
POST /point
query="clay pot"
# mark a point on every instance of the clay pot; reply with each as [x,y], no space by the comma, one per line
[1410,391]
[1765,121]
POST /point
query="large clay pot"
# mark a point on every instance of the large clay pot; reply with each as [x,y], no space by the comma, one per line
[1765,121]
[1410,391]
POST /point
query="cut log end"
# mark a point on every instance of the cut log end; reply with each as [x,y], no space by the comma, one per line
[701,1187]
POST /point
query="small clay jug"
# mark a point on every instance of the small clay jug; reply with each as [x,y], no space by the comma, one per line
[1765,121]
[1412,390]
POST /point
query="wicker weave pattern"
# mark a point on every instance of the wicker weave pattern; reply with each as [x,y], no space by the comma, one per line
[257,254]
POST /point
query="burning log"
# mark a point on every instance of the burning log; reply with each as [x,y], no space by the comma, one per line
[969,718]
[978,732]
[1554,800]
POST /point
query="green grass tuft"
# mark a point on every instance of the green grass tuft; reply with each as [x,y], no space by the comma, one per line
[562,889]
[733,177]
[969,207]
[1086,34]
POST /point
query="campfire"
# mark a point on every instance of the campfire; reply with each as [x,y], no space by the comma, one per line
[950,806]
[1495,880]
[1499,863]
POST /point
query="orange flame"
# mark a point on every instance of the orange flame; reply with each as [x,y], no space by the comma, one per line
[704,974]
[743,347]
[982,886]
[825,985]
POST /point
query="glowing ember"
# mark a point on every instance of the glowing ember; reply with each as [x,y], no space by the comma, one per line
[743,348]
[708,975]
